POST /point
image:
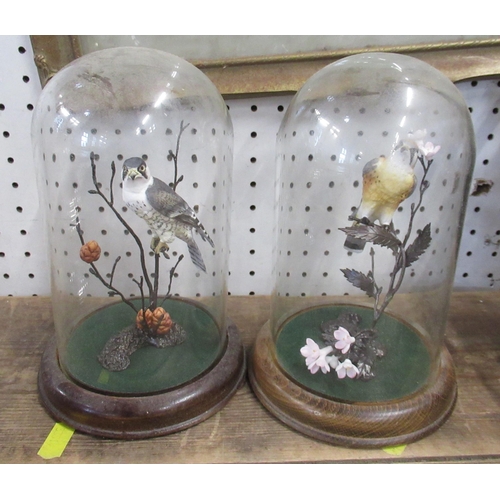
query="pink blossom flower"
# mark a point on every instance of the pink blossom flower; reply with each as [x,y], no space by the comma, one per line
[333,361]
[347,368]
[344,340]
[316,358]
[428,149]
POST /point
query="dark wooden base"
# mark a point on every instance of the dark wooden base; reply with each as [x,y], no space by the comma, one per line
[355,425]
[124,417]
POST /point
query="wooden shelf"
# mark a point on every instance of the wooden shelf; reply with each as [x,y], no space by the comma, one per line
[244,432]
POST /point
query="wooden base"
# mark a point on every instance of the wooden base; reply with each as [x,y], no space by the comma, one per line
[124,417]
[355,425]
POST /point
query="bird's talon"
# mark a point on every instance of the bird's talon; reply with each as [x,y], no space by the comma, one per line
[161,247]
[158,246]
[154,244]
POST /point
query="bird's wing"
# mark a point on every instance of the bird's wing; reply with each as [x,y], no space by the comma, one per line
[166,201]
[413,187]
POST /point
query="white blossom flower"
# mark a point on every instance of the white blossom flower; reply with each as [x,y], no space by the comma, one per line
[344,340]
[316,358]
[414,138]
[428,149]
[347,368]
[333,361]
[310,351]
[322,362]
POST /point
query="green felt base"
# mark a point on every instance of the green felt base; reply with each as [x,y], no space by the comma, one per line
[151,369]
[403,370]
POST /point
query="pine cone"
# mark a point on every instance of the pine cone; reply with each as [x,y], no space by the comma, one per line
[158,321]
[90,252]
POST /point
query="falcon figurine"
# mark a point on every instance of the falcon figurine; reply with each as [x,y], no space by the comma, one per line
[386,183]
[165,212]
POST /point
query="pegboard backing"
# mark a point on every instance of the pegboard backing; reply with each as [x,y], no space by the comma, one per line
[23,257]
[478,264]
[23,252]
[255,122]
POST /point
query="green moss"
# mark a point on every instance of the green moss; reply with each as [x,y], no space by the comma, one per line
[403,370]
[151,369]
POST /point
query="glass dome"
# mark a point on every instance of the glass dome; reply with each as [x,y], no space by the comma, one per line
[134,147]
[375,155]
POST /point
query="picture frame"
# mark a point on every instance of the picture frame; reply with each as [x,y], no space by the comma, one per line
[279,63]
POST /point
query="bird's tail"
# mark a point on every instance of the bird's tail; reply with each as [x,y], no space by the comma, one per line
[195,255]
[354,244]
[203,233]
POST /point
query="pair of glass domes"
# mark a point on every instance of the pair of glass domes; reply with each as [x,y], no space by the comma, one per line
[374,158]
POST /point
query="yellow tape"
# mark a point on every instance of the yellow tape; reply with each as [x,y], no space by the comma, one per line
[395,450]
[56,441]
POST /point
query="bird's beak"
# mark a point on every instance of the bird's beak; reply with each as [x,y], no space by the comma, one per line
[132,173]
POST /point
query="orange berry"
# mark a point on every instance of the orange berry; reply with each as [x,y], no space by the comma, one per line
[90,252]
[158,321]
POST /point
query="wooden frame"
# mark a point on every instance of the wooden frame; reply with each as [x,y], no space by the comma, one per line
[139,417]
[242,76]
[342,423]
